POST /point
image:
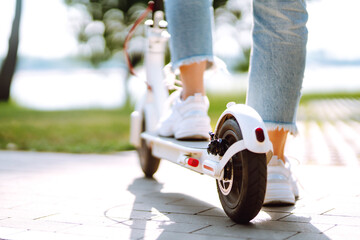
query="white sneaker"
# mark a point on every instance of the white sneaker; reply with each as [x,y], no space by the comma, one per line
[281,186]
[186,119]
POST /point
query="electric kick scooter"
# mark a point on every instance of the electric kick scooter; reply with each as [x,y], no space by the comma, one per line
[236,156]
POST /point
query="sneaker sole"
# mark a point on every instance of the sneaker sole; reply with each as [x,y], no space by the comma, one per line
[279,194]
[190,135]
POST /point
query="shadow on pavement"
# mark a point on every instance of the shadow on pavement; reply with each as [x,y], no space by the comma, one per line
[149,212]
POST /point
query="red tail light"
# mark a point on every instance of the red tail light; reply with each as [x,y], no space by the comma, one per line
[260,136]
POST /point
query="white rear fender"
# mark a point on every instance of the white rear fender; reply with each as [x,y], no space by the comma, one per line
[249,121]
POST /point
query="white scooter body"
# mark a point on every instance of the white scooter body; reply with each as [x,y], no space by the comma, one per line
[194,154]
[189,154]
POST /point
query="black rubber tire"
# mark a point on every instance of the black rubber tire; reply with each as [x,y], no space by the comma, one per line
[149,164]
[246,197]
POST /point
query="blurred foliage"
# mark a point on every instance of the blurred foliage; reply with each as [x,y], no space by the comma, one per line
[243,66]
[102,25]
[232,34]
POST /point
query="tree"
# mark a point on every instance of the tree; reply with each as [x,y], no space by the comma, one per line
[105,33]
[102,35]
[9,65]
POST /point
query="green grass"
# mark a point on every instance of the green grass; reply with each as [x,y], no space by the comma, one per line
[92,131]
[332,95]
[218,103]
[76,131]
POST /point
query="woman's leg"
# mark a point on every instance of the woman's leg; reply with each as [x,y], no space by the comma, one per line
[276,73]
[192,79]
[278,139]
[277,65]
[189,24]
[190,27]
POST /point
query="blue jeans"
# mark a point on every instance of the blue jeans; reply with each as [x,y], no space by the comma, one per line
[277,61]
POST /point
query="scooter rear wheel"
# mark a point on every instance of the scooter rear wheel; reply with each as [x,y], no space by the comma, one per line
[242,186]
[149,164]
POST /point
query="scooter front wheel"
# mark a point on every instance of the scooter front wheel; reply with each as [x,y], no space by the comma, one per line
[149,164]
[242,186]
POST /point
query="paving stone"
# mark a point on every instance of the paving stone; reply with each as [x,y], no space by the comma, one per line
[293,226]
[9,203]
[195,219]
[109,232]
[165,225]
[186,236]
[216,212]
[341,200]
[326,219]
[346,154]
[84,219]
[186,201]
[348,210]
[343,232]
[315,144]
[35,224]
[26,213]
[164,208]
[314,207]
[41,235]
[127,212]
[245,232]
[5,232]
[165,198]
[312,236]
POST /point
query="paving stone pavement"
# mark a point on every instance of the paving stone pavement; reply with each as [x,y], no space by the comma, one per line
[89,196]
[329,133]
[86,196]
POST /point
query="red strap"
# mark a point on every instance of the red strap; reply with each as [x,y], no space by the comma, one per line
[129,35]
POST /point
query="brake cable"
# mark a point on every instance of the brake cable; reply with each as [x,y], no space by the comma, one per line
[149,8]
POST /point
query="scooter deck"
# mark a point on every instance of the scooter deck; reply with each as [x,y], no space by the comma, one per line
[190,154]
[194,145]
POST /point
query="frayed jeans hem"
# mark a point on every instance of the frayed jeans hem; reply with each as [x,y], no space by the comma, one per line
[273,126]
[190,60]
